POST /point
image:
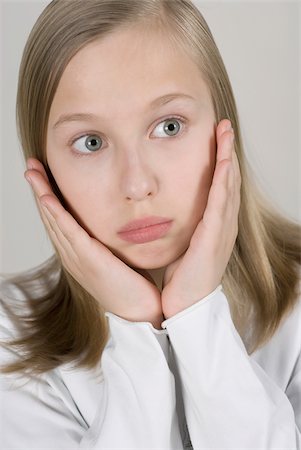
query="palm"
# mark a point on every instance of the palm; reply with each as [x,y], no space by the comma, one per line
[116,286]
[124,291]
[200,270]
[176,279]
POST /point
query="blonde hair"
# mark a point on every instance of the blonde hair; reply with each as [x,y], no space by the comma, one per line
[65,324]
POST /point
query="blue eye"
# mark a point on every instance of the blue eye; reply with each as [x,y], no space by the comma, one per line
[169,127]
[88,144]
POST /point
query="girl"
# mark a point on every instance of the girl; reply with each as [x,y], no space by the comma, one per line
[169,316]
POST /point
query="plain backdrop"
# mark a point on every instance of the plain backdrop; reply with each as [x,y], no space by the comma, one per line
[260,43]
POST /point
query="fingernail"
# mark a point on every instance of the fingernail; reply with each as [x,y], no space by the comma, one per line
[228,126]
[28,179]
[29,165]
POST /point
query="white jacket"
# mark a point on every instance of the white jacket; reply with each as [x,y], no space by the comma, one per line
[136,399]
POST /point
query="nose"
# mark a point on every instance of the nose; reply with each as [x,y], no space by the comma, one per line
[138,180]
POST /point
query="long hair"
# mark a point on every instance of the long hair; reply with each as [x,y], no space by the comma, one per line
[64,323]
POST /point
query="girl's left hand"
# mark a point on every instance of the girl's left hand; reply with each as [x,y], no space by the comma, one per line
[199,271]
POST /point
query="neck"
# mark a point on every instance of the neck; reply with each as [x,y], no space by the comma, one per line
[157,275]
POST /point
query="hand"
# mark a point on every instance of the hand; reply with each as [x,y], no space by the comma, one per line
[117,287]
[199,271]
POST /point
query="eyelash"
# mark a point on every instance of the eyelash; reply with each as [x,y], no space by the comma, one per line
[77,154]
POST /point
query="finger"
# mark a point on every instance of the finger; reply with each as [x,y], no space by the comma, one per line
[59,238]
[65,231]
[222,173]
[218,198]
[35,164]
[39,181]
[49,225]
[223,132]
[41,188]
[69,233]
[237,178]
[225,146]
[223,126]
[222,195]
[53,235]
[236,166]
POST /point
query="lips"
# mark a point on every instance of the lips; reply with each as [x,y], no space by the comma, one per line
[145,230]
[143,223]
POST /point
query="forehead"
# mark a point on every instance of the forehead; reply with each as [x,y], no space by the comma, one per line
[127,70]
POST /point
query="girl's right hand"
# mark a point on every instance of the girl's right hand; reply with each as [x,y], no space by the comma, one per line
[117,287]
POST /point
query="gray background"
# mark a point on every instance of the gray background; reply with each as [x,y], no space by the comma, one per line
[260,44]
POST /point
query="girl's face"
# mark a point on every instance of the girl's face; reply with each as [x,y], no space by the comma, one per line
[131,134]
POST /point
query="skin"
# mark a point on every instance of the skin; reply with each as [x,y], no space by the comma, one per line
[192,178]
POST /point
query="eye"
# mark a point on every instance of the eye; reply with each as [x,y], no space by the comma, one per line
[169,127]
[87,144]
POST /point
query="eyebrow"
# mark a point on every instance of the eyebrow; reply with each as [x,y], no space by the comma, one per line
[160,101]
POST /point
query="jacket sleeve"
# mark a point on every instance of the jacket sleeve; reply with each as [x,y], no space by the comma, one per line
[135,408]
[32,415]
[229,400]
[138,410]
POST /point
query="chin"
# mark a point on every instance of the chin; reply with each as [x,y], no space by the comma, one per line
[145,256]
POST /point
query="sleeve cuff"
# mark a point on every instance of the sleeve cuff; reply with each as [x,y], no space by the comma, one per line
[191,308]
[130,323]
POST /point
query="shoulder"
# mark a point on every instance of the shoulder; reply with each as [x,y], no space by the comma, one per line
[18,293]
[280,357]
[11,297]
[62,395]
[12,302]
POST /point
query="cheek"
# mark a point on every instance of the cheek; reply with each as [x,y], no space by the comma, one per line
[195,178]
[83,196]
[194,195]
